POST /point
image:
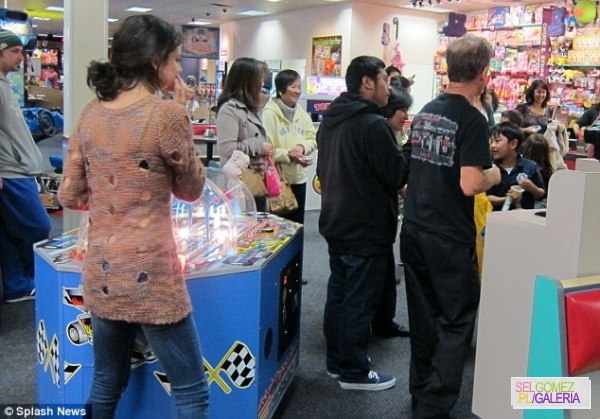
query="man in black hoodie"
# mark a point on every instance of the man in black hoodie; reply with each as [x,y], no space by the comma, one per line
[361,169]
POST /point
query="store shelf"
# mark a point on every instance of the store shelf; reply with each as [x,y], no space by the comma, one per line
[504,28]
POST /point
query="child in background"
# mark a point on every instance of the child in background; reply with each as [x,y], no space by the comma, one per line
[191,104]
[505,140]
[536,148]
[512,116]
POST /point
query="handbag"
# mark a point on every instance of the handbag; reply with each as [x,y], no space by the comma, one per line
[272,179]
[254,181]
[286,202]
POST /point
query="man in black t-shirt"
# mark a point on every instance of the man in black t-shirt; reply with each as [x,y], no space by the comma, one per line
[450,163]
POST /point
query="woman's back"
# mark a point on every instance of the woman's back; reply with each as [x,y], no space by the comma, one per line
[134,158]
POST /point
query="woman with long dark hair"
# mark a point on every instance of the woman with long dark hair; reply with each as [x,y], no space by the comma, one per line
[130,152]
[239,123]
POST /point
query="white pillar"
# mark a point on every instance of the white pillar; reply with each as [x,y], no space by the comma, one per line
[86,39]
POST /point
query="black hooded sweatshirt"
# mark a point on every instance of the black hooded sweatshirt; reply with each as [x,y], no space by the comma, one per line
[361,168]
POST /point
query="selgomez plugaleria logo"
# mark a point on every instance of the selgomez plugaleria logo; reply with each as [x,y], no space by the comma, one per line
[551,393]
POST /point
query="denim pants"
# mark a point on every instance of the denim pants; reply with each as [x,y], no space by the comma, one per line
[442,292]
[23,222]
[383,320]
[353,291]
[178,349]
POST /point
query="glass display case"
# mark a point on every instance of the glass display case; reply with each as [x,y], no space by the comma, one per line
[206,231]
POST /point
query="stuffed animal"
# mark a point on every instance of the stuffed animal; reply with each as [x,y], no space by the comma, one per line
[557,22]
[397,60]
[456,25]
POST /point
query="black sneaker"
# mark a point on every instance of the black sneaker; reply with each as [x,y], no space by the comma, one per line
[29,296]
[372,382]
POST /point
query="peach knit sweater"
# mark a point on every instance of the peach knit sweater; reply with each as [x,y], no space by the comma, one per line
[126,164]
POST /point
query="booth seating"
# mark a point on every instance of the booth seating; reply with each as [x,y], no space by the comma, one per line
[200,129]
[565,337]
[560,242]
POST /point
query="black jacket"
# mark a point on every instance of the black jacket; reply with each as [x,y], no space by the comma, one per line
[360,168]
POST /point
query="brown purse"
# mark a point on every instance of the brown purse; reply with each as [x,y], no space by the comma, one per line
[285,202]
[255,181]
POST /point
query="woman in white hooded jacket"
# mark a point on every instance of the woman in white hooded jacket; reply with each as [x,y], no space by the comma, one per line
[291,131]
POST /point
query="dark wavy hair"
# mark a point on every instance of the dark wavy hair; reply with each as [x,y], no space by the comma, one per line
[141,44]
[283,79]
[530,92]
[536,148]
[495,101]
[244,83]
[360,67]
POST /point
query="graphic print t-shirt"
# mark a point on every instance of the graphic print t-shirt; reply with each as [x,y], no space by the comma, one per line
[447,134]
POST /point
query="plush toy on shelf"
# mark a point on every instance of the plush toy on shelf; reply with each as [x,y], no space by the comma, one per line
[456,25]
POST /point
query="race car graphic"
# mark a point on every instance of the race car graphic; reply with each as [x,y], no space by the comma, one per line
[80,330]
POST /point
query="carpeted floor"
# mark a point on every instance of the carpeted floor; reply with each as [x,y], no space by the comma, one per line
[311,395]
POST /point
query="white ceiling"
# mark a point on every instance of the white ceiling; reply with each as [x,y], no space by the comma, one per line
[179,12]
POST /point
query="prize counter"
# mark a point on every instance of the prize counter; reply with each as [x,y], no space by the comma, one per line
[244,273]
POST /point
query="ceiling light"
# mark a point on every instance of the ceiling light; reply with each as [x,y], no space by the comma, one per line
[252,13]
[112,20]
[138,9]
[55,8]
[197,22]
[40,18]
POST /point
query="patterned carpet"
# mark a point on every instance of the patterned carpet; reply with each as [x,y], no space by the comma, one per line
[311,395]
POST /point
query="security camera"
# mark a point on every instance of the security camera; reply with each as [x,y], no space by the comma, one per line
[207,14]
[224,10]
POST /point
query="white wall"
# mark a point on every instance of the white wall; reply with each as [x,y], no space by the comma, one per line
[417,37]
[289,36]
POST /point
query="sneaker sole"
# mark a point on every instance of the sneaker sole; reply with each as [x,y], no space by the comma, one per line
[368,386]
[18,300]
[30,296]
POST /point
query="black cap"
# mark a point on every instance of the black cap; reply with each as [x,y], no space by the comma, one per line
[398,99]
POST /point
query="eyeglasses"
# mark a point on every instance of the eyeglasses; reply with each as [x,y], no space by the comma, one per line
[384,79]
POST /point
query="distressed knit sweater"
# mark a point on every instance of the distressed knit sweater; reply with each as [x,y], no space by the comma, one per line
[125,164]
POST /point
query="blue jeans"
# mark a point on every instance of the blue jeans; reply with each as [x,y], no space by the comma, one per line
[178,349]
[23,222]
[353,292]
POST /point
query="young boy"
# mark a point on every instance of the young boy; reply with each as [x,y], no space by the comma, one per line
[512,116]
[505,140]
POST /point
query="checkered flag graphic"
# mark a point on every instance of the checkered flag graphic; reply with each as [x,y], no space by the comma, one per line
[42,342]
[54,361]
[240,365]
[70,370]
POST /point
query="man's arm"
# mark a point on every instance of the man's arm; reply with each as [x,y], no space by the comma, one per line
[474,179]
